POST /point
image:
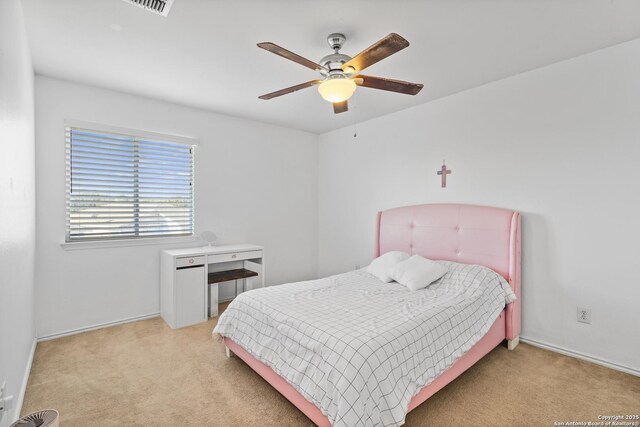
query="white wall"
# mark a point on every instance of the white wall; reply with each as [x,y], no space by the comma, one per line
[561,144]
[255,183]
[17,209]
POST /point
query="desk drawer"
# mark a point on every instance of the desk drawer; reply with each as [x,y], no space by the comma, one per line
[189,261]
[233,256]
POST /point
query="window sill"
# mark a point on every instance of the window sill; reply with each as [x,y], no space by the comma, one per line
[104,244]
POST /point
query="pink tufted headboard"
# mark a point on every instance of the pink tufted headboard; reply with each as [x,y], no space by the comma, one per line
[462,233]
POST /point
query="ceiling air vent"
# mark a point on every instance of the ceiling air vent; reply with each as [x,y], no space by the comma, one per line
[161,7]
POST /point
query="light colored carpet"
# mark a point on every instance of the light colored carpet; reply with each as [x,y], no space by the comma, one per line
[144,373]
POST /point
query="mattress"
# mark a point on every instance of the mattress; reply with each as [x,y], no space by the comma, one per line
[359,348]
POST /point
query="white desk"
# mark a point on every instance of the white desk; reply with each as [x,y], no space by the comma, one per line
[189,279]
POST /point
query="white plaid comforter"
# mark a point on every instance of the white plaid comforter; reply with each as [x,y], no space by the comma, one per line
[360,349]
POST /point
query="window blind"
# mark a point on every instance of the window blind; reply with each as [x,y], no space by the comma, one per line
[123,186]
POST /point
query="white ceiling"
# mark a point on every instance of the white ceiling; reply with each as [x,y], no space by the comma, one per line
[204,53]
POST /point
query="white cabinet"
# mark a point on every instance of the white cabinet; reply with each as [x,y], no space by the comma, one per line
[183,290]
[191,278]
[190,296]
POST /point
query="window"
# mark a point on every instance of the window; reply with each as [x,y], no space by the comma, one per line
[123,187]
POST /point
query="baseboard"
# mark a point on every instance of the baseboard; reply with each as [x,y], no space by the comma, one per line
[581,356]
[98,326]
[25,381]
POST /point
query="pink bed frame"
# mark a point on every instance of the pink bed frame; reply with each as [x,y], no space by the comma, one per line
[453,232]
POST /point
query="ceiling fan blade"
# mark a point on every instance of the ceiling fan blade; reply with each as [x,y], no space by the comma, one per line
[280,51]
[340,107]
[389,84]
[290,89]
[376,52]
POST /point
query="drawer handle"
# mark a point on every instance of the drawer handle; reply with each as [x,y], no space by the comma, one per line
[191,261]
[234,256]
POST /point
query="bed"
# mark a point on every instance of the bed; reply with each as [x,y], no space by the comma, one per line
[465,237]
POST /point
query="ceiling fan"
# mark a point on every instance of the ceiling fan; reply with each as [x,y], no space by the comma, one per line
[341,73]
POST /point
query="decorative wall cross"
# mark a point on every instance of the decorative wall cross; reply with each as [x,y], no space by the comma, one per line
[444,172]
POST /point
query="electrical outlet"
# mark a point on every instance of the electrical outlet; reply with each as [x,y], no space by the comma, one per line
[6,402]
[584,315]
[2,405]
[357,267]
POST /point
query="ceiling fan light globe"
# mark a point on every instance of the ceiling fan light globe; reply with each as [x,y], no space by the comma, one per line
[337,90]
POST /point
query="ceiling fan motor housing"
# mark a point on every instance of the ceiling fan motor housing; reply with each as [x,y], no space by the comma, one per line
[336,60]
[333,63]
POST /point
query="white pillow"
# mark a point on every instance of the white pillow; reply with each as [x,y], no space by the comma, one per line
[380,265]
[416,272]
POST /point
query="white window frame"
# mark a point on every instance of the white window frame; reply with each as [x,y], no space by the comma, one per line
[129,241]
